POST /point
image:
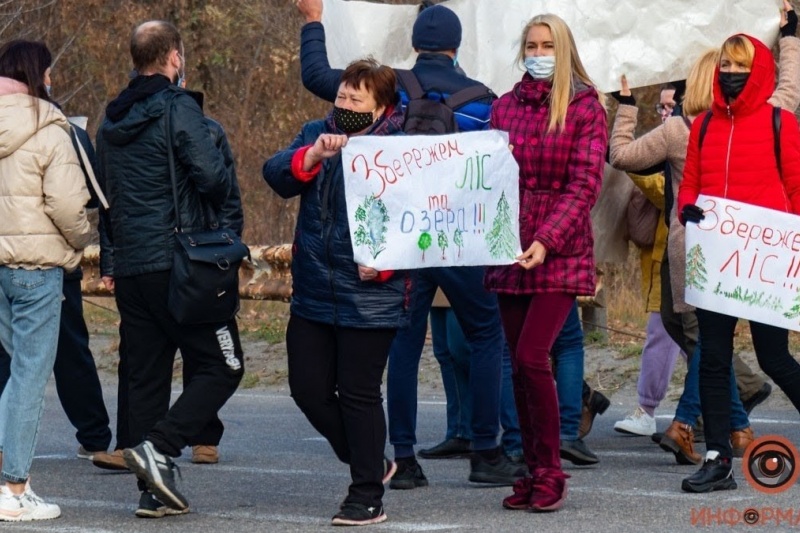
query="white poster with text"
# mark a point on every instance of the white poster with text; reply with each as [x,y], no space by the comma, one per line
[744,261]
[421,201]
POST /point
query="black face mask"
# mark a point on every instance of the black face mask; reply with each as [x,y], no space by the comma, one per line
[732,83]
[351,121]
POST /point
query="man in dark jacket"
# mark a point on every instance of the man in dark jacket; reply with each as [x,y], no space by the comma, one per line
[436,37]
[134,168]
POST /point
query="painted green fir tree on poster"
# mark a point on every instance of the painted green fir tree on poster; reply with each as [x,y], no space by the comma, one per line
[696,268]
[372,217]
[501,237]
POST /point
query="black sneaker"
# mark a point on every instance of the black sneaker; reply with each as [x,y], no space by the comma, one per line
[409,475]
[758,398]
[150,507]
[357,514]
[577,453]
[156,470]
[499,471]
[715,474]
[448,449]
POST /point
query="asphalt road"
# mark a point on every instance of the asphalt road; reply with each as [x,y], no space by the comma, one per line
[277,474]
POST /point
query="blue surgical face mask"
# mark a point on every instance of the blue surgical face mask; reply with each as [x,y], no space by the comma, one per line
[49,90]
[455,59]
[540,67]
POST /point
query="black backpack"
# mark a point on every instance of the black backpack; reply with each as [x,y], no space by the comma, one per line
[776,134]
[427,114]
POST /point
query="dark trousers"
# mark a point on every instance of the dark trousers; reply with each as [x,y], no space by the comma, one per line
[479,318]
[683,329]
[335,379]
[211,434]
[150,339]
[75,372]
[772,349]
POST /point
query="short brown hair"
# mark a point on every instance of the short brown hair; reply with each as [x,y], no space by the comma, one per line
[151,43]
[378,79]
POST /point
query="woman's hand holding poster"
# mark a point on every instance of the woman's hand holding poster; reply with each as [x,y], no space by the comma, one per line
[422,201]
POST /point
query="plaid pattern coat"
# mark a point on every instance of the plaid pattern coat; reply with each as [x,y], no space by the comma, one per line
[559,179]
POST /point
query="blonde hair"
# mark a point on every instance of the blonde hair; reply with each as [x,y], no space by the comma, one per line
[700,84]
[739,49]
[563,77]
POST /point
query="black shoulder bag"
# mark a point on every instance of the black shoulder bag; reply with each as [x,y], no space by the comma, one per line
[204,282]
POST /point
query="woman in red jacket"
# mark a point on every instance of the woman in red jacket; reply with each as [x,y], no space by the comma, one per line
[738,162]
[557,128]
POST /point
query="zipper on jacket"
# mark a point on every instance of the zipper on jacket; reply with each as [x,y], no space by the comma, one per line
[728,155]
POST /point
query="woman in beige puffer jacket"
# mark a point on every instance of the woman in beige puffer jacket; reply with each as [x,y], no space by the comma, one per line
[44,230]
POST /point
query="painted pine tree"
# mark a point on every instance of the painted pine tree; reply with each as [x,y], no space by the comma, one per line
[424,243]
[458,240]
[441,239]
[794,311]
[696,268]
[501,237]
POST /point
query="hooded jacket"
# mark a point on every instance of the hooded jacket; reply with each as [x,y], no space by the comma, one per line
[560,175]
[326,287]
[42,192]
[134,173]
[737,160]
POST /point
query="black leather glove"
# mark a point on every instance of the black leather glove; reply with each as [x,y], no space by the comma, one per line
[790,30]
[625,100]
[691,213]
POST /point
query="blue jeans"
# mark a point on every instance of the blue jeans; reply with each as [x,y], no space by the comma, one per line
[77,383]
[30,310]
[567,353]
[688,408]
[479,318]
[452,351]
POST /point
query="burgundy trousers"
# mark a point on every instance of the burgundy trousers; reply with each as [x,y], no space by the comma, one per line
[532,323]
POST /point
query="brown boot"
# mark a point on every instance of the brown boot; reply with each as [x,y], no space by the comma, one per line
[741,440]
[109,461]
[679,439]
[204,454]
[595,403]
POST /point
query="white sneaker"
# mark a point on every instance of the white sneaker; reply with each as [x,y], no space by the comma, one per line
[25,507]
[639,423]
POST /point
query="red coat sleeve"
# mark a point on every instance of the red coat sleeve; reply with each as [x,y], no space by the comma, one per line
[690,186]
[790,159]
[297,165]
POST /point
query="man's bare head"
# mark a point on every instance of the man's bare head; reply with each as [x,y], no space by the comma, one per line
[153,45]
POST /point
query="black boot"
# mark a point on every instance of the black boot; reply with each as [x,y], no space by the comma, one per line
[715,474]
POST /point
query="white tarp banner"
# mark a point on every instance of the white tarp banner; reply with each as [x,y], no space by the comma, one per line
[744,261]
[650,42]
[421,201]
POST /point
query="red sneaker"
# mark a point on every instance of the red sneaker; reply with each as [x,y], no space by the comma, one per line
[549,491]
[521,499]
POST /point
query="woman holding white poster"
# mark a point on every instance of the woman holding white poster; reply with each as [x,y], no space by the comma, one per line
[557,128]
[744,149]
[344,316]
